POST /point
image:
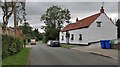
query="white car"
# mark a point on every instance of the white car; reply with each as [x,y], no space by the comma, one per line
[33,42]
[49,42]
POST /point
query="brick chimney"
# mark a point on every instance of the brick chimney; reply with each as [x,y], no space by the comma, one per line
[76,19]
[102,10]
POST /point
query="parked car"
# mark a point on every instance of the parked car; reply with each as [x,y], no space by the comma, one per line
[55,43]
[49,42]
[33,42]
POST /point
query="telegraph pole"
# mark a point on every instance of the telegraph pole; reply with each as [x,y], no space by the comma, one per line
[102,4]
[14,18]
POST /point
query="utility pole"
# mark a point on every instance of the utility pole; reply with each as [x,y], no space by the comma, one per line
[14,18]
[102,4]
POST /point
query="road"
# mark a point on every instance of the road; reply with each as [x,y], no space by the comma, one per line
[44,55]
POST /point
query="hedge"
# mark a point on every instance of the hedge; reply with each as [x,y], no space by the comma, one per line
[11,45]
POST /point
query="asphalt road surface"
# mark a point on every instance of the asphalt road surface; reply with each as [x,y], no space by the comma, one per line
[41,54]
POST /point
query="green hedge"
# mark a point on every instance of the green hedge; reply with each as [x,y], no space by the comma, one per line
[11,45]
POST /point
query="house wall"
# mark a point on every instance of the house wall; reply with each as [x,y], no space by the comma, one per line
[107,30]
[64,38]
[92,34]
[76,36]
[76,33]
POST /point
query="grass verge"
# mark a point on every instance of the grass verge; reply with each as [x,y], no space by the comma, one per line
[67,46]
[18,59]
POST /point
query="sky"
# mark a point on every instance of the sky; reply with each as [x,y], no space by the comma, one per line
[81,10]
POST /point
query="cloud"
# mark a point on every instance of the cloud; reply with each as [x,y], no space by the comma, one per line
[81,10]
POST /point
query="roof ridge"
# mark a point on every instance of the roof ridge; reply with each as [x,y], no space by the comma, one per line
[85,22]
[89,16]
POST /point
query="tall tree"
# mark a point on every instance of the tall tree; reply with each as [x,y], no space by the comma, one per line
[35,34]
[26,28]
[8,9]
[20,11]
[54,18]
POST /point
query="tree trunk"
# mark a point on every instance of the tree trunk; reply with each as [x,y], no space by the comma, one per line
[4,25]
[58,33]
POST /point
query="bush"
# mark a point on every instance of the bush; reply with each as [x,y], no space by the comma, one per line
[11,45]
[45,39]
[113,41]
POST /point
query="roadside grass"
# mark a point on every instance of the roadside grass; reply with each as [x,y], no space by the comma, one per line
[18,59]
[67,46]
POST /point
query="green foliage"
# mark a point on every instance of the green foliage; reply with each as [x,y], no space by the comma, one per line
[10,45]
[20,58]
[29,33]
[8,10]
[45,39]
[26,28]
[51,34]
[118,23]
[40,36]
[67,46]
[54,18]
[36,34]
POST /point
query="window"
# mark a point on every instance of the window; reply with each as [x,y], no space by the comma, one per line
[72,36]
[80,36]
[98,23]
[62,37]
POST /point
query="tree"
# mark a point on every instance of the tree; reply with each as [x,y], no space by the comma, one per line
[118,27]
[26,28]
[27,31]
[20,11]
[35,33]
[54,18]
[8,10]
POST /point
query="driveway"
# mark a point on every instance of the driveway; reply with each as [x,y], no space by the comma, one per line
[45,55]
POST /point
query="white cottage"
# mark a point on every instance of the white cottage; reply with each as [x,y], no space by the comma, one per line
[90,29]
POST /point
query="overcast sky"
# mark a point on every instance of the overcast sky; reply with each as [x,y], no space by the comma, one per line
[81,10]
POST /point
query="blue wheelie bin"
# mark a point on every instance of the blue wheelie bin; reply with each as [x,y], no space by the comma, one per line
[102,42]
[107,44]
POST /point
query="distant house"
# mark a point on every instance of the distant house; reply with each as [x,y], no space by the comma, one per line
[90,29]
[10,31]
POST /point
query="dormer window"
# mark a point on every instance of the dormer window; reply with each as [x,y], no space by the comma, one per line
[98,23]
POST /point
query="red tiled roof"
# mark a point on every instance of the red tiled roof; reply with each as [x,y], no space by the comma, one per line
[86,22]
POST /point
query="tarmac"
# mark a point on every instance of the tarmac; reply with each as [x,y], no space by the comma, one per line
[96,49]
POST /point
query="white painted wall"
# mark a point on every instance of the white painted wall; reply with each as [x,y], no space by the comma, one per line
[107,31]
[60,37]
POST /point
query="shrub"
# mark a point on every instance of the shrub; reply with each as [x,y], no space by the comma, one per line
[45,39]
[11,45]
